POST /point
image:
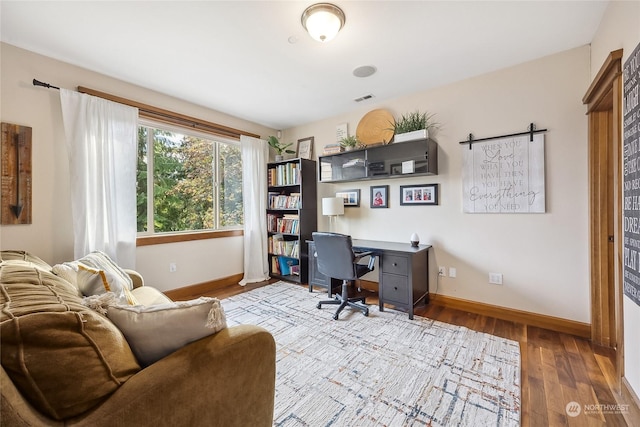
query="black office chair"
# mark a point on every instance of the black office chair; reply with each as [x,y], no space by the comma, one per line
[336,259]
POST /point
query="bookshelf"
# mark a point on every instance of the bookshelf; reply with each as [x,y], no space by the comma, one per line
[292,215]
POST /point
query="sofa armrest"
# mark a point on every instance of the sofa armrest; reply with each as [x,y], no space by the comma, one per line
[136,277]
[146,295]
[225,379]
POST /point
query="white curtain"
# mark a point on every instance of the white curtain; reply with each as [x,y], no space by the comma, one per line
[101,143]
[254,194]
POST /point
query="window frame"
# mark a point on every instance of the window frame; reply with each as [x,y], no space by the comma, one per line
[145,238]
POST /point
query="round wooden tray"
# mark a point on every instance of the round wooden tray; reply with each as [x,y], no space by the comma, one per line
[375,127]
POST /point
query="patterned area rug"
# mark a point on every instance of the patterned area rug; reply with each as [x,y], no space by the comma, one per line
[381,370]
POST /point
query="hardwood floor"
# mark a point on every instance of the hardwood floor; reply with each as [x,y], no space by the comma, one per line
[556,368]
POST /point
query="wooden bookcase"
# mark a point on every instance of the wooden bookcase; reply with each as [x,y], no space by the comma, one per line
[292,215]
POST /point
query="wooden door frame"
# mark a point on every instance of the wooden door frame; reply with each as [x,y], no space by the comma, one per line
[604,108]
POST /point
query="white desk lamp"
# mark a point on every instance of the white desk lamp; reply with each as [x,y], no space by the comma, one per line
[332,207]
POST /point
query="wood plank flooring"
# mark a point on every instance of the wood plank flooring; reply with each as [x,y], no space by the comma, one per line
[556,368]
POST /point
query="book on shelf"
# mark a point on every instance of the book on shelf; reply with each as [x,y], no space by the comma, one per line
[278,246]
[285,264]
[284,174]
[326,171]
[272,223]
[289,224]
[284,201]
[353,163]
[275,265]
[282,224]
[332,149]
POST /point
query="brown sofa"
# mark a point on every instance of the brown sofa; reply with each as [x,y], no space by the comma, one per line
[64,364]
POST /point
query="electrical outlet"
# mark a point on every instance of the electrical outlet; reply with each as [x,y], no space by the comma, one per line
[495,278]
[452,272]
[173,267]
[441,271]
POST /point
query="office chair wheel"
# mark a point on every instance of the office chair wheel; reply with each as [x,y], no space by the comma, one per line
[318,305]
[366,313]
[335,316]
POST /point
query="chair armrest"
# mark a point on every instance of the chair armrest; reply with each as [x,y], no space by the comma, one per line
[136,277]
[224,379]
[372,258]
[359,255]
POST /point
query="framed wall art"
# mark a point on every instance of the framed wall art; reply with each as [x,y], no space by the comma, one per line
[351,197]
[305,148]
[425,194]
[16,174]
[379,196]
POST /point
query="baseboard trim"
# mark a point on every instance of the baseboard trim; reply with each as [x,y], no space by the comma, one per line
[557,324]
[188,292]
[629,397]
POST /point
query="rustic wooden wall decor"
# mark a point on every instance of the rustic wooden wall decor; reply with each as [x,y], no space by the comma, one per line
[15,174]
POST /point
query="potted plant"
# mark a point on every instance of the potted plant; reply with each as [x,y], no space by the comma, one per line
[413,126]
[349,142]
[280,148]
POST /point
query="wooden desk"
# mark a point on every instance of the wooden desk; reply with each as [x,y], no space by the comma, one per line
[403,272]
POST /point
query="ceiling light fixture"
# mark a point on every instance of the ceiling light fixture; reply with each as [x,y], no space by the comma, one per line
[323,21]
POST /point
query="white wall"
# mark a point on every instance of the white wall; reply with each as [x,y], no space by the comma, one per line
[50,234]
[620,29]
[543,257]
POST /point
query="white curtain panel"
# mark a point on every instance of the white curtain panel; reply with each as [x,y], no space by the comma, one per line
[254,195]
[101,143]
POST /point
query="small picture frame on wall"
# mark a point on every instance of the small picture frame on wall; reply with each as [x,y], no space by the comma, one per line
[351,198]
[305,148]
[379,196]
[425,194]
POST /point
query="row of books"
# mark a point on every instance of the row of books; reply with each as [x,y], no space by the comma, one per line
[278,246]
[326,172]
[283,201]
[283,224]
[285,266]
[284,174]
[354,163]
[332,149]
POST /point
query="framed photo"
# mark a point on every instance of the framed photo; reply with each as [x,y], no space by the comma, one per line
[305,148]
[425,194]
[351,198]
[379,196]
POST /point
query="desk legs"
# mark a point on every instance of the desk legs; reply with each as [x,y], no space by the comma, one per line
[424,298]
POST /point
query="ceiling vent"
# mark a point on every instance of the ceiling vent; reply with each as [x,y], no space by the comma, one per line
[364,98]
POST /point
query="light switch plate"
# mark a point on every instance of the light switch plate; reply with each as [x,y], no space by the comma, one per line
[495,278]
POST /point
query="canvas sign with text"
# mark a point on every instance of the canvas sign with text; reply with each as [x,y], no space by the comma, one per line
[504,176]
[631,175]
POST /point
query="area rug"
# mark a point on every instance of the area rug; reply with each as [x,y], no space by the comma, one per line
[380,370]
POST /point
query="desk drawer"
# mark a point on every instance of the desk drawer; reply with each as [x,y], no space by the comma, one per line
[395,265]
[395,289]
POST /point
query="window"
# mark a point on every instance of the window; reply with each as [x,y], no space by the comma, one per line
[196,181]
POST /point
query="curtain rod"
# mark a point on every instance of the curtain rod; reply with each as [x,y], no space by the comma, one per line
[162,114]
[43,84]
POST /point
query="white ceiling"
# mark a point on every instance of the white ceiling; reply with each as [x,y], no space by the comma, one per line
[236,57]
